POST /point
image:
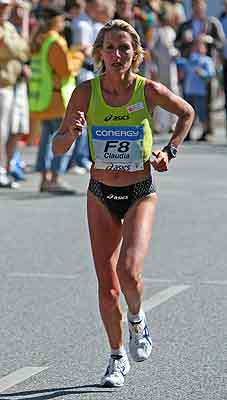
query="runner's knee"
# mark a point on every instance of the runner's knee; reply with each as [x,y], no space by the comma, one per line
[109,296]
[129,274]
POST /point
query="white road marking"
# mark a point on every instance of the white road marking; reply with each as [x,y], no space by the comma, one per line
[156,280]
[62,276]
[18,376]
[73,277]
[214,283]
[41,275]
[161,297]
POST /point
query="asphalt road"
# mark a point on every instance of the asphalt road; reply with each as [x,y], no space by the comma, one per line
[52,343]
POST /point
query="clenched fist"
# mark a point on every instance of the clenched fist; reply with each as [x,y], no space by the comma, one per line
[161,161]
[77,123]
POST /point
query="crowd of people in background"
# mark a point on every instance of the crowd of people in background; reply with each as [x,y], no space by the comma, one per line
[45,51]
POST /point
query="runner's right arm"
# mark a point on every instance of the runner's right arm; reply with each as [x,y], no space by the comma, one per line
[73,121]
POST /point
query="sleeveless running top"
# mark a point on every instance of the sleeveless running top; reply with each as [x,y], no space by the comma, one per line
[120,138]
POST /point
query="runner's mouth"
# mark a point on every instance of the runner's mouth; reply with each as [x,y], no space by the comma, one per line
[116,64]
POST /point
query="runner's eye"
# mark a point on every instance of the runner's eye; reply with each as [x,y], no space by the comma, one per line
[124,48]
[109,47]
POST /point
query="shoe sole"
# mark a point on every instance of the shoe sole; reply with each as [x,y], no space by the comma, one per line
[111,385]
[140,360]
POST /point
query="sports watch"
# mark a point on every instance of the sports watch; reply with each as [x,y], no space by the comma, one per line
[170,150]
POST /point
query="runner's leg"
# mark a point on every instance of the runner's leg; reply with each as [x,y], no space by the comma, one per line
[137,230]
[105,235]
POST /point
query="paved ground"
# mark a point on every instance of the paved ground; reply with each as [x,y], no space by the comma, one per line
[52,341]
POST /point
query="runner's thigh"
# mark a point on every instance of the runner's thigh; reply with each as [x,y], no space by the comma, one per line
[105,234]
[137,230]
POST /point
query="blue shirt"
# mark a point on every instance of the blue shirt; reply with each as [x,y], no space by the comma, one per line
[197,27]
[198,70]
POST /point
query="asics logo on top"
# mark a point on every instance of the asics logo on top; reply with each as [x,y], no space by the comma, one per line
[112,117]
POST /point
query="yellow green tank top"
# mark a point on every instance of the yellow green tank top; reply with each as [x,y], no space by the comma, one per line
[120,138]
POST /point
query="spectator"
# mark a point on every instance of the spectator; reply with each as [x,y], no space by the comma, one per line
[104,13]
[13,53]
[50,87]
[84,35]
[72,10]
[75,10]
[179,15]
[197,71]
[164,50]
[164,54]
[223,19]
[39,7]
[199,24]
[141,17]
[85,30]
[20,126]
[155,5]
[145,18]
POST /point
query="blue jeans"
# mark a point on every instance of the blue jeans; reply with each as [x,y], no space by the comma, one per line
[46,161]
[200,104]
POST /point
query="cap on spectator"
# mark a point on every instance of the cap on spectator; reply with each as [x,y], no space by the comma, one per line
[49,12]
[23,4]
[6,2]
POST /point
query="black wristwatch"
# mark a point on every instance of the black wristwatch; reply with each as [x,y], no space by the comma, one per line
[171,151]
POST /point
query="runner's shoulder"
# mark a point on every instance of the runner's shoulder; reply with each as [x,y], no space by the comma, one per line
[84,88]
[155,88]
[154,93]
[81,94]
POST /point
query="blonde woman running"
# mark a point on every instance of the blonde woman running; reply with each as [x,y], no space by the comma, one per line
[117,107]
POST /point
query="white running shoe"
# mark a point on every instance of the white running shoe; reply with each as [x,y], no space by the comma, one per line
[117,369]
[140,341]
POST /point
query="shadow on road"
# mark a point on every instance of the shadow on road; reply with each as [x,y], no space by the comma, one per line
[17,194]
[46,394]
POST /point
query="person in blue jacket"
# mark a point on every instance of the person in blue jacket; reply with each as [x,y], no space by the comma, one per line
[196,72]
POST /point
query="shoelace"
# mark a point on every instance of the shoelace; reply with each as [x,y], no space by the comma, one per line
[115,365]
[139,337]
[139,334]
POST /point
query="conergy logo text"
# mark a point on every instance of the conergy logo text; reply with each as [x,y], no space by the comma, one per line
[118,132]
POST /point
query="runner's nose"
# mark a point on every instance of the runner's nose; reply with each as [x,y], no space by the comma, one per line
[117,53]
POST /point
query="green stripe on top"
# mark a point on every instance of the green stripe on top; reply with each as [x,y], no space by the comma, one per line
[133,114]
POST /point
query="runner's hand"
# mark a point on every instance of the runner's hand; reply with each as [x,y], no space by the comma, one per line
[77,124]
[161,161]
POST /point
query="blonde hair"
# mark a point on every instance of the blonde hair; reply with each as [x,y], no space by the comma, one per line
[117,25]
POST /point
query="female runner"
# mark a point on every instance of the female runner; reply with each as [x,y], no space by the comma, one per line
[117,106]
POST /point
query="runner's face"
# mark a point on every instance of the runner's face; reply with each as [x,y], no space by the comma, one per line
[117,52]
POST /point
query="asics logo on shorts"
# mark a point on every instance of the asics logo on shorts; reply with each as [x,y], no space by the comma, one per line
[113,197]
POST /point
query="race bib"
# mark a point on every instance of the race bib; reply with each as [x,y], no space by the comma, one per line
[118,148]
